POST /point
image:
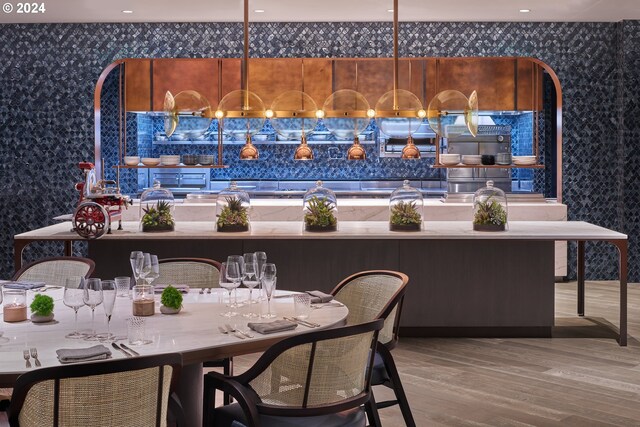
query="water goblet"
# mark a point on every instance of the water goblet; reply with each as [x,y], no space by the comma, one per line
[136,258]
[74,298]
[261,259]
[269,285]
[238,259]
[250,280]
[230,279]
[109,292]
[150,268]
[92,297]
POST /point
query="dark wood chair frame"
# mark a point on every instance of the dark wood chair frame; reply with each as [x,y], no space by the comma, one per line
[227,363]
[250,402]
[89,262]
[29,379]
[384,349]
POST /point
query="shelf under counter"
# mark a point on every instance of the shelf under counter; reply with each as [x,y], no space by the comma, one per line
[461,166]
[180,166]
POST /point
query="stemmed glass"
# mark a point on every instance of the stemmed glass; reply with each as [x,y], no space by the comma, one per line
[269,285]
[229,285]
[136,258]
[250,280]
[92,297]
[234,275]
[74,298]
[238,259]
[261,259]
[150,268]
[109,292]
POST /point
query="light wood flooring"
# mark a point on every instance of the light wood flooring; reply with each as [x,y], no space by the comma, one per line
[581,377]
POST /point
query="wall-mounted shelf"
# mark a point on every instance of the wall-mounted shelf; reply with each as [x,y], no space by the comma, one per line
[180,166]
[268,142]
[489,166]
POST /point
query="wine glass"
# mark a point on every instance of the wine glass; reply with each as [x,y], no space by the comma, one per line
[109,292]
[136,258]
[238,259]
[261,259]
[250,280]
[229,285]
[269,285]
[74,298]
[233,275]
[92,297]
[150,268]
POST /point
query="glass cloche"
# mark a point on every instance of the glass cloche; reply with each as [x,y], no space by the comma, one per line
[405,208]
[232,209]
[157,208]
[490,209]
[320,209]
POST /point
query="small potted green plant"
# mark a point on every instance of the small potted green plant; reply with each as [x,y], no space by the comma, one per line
[42,309]
[171,300]
[158,217]
[405,217]
[233,216]
[319,215]
[489,215]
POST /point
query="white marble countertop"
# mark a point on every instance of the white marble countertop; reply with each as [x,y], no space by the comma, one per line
[445,230]
[192,331]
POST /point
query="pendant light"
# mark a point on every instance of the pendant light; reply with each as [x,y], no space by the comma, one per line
[294,115]
[346,115]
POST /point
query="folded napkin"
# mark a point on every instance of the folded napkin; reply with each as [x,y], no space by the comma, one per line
[24,284]
[272,327]
[72,355]
[181,288]
[319,297]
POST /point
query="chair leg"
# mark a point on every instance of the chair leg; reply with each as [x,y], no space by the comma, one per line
[228,371]
[372,412]
[392,370]
[208,402]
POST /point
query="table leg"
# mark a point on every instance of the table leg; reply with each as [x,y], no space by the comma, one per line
[190,393]
[622,246]
[580,274]
[68,248]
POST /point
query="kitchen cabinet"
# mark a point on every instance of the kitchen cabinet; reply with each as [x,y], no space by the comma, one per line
[137,74]
[178,74]
[269,77]
[317,76]
[529,85]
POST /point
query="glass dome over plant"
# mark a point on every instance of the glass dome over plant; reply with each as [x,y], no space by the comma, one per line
[490,209]
[232,209]
[157,206]
[405,208]
[320,208]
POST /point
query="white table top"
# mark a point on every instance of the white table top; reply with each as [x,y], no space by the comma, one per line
[445,230]
[194,332]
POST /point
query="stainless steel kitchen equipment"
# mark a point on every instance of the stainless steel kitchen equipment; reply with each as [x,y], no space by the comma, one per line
[491,140]
[180,181]
[424,138]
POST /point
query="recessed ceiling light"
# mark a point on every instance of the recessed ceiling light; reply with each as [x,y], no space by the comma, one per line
[259,10]
[525,10]
[127,11]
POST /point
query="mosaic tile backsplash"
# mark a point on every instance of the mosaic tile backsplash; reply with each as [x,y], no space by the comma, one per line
[48,74]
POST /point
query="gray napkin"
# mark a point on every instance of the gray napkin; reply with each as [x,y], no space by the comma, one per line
[24,284]
[318,297]
[181,288]
[71,355]
[272,327]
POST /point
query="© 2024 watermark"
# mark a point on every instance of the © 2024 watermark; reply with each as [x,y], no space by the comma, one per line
[24,8]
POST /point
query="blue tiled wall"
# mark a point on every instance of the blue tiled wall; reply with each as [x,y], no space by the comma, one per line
[48,74]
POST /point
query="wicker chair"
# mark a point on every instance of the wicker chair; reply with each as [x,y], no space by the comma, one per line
[333,382]
[379,294]
[125,392]
[194,272]
[55,271]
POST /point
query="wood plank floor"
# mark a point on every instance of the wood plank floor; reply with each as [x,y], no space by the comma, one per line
[581,377]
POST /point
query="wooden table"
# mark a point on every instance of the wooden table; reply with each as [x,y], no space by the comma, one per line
[462,282]
[193,333]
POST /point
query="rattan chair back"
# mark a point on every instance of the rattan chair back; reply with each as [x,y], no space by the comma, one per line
[194,272]
[127,393]
[375,294]
[55,271]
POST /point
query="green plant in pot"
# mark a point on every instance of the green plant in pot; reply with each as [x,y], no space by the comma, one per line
[405,217]
[158,217]
[319,215]
[42,308]
[489,215]
[171,300]
[233,216]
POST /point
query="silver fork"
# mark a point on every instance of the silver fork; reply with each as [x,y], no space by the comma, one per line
[228,331]
[25,354]
[34,354]
[234,331]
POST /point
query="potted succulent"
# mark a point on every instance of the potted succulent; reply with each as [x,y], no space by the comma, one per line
[171,300]
[158,217]
[233,216]
[42,309]
[489,215]
[319,215]
[405,217]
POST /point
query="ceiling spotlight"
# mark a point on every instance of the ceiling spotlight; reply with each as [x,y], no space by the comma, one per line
[127,11]
[259,10]
[525,10]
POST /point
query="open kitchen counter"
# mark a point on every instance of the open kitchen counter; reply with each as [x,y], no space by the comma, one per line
[463,282]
